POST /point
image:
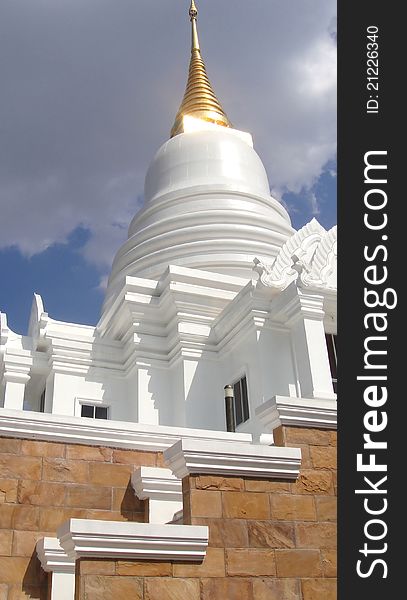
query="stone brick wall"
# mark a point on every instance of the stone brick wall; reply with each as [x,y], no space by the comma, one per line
[42,484]
[269,540]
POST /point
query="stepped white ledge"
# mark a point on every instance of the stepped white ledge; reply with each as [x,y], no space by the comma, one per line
[156,483]
[163,491]
[138,541]
[53,557]
[298,412]
[188,457]
[54,560]
[116,434]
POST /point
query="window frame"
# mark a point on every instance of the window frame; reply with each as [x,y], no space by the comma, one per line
[95,403]
[244,407]
[332,349]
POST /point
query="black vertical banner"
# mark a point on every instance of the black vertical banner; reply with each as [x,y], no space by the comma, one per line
[372,362]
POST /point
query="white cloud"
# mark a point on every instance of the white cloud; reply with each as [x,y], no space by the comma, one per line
[92,87]
[313,204]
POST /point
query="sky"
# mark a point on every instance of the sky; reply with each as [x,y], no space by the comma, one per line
[89,92]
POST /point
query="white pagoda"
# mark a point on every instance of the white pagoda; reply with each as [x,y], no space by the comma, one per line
[212,288]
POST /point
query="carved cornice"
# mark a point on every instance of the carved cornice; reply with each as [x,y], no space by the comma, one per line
[154,483]
[298,412]
[137,541]
[53,557]
[188,457]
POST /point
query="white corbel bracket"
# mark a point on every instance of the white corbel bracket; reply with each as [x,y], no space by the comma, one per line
[188,457]
[54,560]
[162,489]
[137,541]
[298,412]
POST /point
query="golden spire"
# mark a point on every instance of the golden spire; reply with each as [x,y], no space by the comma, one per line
[199,99]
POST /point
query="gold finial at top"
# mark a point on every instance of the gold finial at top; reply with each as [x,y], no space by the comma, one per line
[193,14]
[199,99]
[193,11]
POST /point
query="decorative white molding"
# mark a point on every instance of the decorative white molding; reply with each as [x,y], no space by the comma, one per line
[298,412]
[163,491]
[217,458]
[53,557]
[54,560]
[117,434]
[138,541]
[309,257]
[157,484]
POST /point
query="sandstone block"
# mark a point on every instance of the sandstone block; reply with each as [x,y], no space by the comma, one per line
[109,474]
[24,542]
[326,508]
[305,435]
[264,485]
[250,562]
[88,496]
[245,505]
[323,458]
[108,588]
[144,568]
[8,490]
[264,534]
[39,493]
[97,567]
[6,516]
[213,565]
[107,515]
[10,446]
[333,434]
[61,469]
[316,535]
[313,482]
[204,503]
[291,507]
[318,589]
[135,458]
[13,569]
[42,449]
[20,467]
[208,482]
[275,589]
[90,453]
[51,518]
[279,436]
[25,517]
[163,588]
[226,533]
[298,563]
[329,562]
[6,539]
[226,589]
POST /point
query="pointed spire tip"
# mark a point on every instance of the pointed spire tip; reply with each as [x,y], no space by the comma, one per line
[193,11]
[199,99]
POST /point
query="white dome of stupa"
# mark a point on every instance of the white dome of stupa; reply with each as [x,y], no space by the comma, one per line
[207,196]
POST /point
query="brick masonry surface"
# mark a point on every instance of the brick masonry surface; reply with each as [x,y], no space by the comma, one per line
[42,484]
[268,539]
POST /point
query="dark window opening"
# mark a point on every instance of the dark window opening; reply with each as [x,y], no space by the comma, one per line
[332,355]
[42,402]
[93,412]
[241,403]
